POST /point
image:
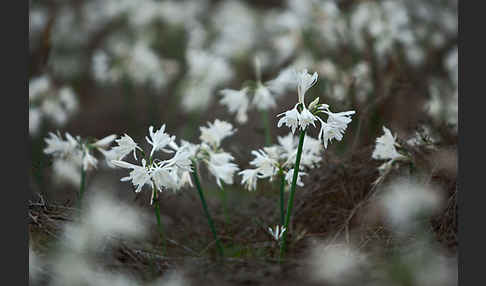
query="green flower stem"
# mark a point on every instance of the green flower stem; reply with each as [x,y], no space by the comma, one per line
[292,192]
[205,207]
[282,190]
[159,223]
[225,205]
[82,185]
[266,126]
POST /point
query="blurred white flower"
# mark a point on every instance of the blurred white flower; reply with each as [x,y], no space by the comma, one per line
[221,168]
[237,102]
[285,80]
[277,233]
[57,146]
[249,178]
[385,147]
[35,121]
[406,200]
[337,264]
[105,142]
[216,132]
[290,175]
[263,99]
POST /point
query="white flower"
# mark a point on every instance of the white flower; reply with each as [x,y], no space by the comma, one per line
[165,178]
[68,98]
[38,86]
[263,99]
[56,145]
[140,175]
[250,177]
[290,176]
[54,110]
[88,160]
[306,118]
[278,233]
[286,79]
[159,140]
[105,142]
[311,152]
[237,102]
[221,168]
[125,146]
[406,200]
[385,147]
[290,119]
[35,117]
[335,126]
[66,171]
[304,82]
[267,167]
[216,132]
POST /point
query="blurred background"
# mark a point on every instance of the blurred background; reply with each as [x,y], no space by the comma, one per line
[101,67]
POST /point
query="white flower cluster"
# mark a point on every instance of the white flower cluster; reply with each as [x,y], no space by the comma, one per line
[46,101]
[280,159]
[385,149]
[160,175]
[300,116]
[264,94]
[73,154]
[219,163]
[137,62]
[206,72]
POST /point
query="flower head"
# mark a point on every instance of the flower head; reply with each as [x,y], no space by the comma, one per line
[216,132]
[125,146]
[263,99]
[140,175]
[237,102]
[250,177]
[290,119]
[277,234]
[304,82]
[221,168]
[385,147]
[159,140]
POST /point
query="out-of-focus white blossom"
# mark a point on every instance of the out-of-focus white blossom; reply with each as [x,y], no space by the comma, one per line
[237,102]
[277,233]
[216,132]
[337,264]
[46,101]
[290,175]
[385,147]
[406,200]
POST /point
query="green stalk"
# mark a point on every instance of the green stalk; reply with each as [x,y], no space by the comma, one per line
[205,207]
[282,190]
[159,223]
[266,126]
[82,185]
[224,201]
[292,192]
